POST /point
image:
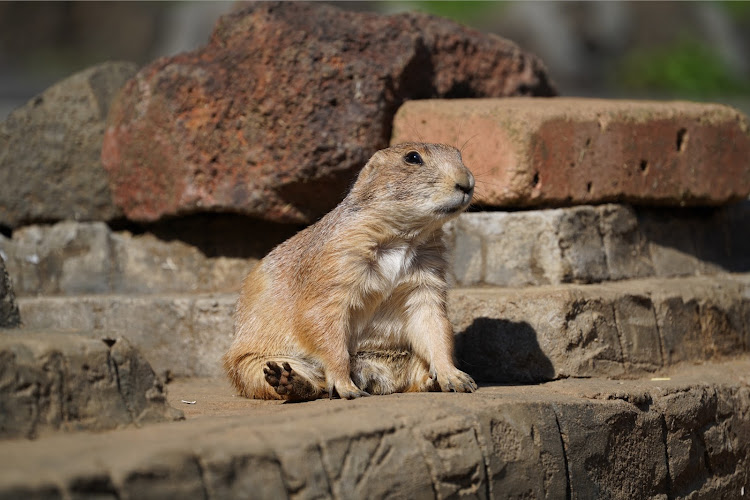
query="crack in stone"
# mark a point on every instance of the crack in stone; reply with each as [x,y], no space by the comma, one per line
[568,486]
[202,476]
[433,480]
[618,331]
[111,361]
[664,436]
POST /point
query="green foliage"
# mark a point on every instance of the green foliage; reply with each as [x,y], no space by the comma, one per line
[465,12]
[687,68]
[737,10]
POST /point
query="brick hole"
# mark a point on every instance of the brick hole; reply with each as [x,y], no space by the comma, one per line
[681,139]
[535,180]
[588,141]
[589,187]
[644,166]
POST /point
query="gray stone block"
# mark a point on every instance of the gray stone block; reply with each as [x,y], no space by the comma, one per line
[588,244]
[70,258]
[56,141]
[503,334]
[54,381]
[614,329]
[180,335]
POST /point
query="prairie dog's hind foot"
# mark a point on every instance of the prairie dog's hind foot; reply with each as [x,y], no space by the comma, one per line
[289,384]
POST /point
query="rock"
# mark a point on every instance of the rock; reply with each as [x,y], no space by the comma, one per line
[591,244]
[55,141]
[286,103]
[502,334]
[613,329]
[55,381]
[179,334]
[9,316]
[570,151]
[71,258]
[577,438]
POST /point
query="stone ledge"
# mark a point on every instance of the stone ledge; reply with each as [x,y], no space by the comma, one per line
[51,381]
[591,244]
[585,244]
[568,439]
[503,334]
[615,329]
[88,257]
[572,151]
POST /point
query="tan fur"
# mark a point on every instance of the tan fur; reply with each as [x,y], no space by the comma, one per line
[360,295]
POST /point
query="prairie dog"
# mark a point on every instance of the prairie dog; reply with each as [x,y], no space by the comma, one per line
[355,304]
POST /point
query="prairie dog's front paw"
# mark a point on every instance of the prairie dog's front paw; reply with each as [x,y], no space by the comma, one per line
[456,381]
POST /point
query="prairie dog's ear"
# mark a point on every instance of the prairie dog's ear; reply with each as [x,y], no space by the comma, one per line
[369,169]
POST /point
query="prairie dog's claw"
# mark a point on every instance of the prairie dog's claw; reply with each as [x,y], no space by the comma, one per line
[457,381]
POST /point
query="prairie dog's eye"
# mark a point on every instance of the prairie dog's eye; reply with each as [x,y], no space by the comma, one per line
[413,158]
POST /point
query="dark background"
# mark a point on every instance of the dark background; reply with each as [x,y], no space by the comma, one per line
[661,50]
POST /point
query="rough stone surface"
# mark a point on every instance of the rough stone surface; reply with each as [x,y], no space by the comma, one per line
[9,316]
[685,437]
[526,248]
[591,244]
[616,329]
[503,334]
[286,102]
[570,151]
[180,335]
[54,381]
[50,166]
[71,258]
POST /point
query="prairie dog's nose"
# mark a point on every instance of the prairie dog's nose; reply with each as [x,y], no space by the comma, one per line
[466,184]
[465,188]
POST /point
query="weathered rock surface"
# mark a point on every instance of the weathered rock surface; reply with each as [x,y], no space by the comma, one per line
[70,258]
[179,334]
[591,244]
[584,244]
[287,101]
[9,316]
[606,330]
[685,437]
[50,151]
[503,334]
[570,151]
[52,381]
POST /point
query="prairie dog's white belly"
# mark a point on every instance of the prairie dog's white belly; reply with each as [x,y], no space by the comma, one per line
[383,316]
[393,263]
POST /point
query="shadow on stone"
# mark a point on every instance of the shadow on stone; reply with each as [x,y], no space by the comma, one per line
[498,350]
[217,234]
[682,238]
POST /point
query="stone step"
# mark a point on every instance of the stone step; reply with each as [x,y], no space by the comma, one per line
[572,151]
[591,244]
[503,334]
[63,382]
[88,257]
[684,434]
[585,244]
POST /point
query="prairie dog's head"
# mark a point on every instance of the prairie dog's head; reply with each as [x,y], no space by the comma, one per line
[420,182]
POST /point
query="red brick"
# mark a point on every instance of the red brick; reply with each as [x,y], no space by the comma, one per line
[568,151]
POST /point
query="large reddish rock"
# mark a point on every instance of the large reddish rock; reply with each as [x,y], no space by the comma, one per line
[570,151]
[286,102]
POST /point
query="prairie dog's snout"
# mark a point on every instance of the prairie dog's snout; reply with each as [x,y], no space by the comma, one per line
[464,183]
